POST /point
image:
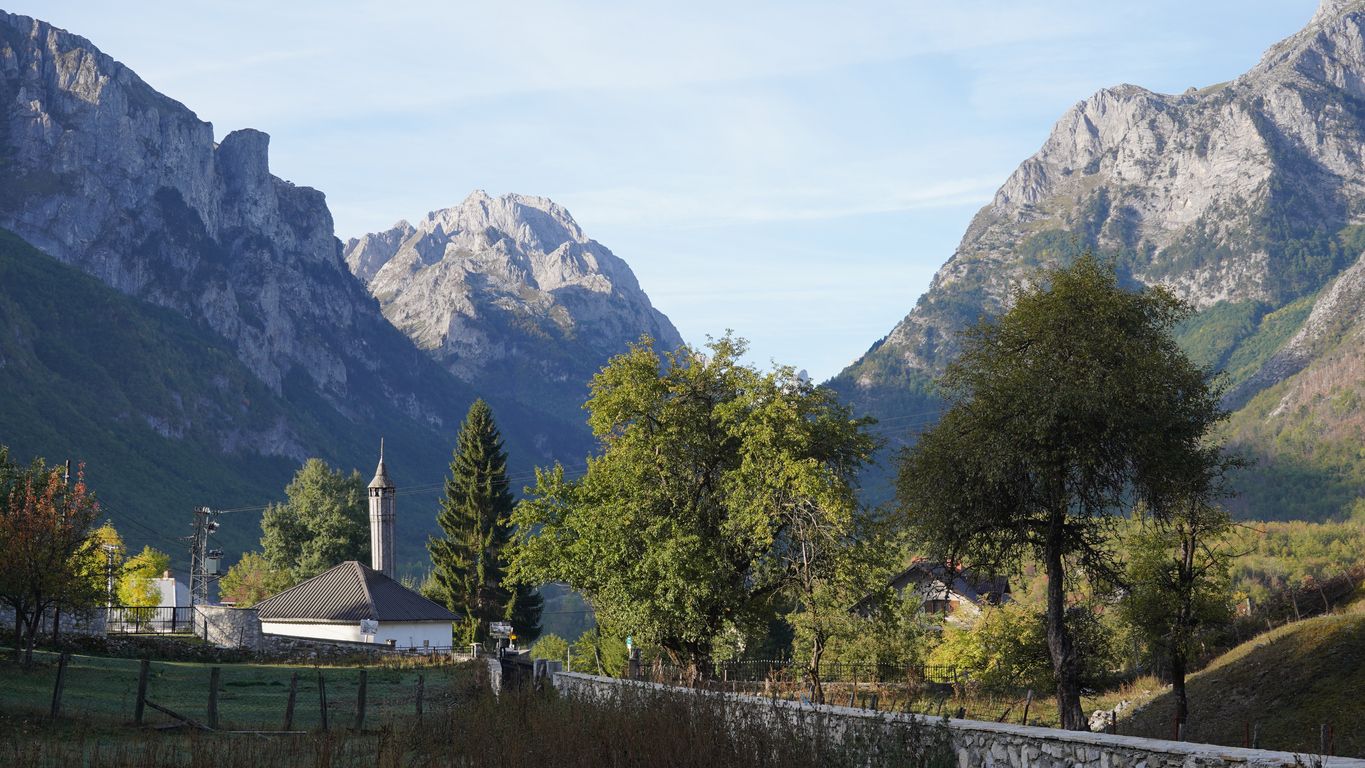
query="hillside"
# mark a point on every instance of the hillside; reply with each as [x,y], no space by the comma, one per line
[1246,199]
[1289,681]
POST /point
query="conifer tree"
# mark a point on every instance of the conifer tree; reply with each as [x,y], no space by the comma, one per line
[468,562]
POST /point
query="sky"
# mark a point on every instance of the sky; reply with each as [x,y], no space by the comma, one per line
[794,171]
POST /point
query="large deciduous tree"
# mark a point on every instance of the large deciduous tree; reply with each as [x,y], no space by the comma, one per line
[1065,411]
[46,546]
[717,488]
[469,559]
[324,521]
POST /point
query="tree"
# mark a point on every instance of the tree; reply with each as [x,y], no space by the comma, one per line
[710,480]
[551,647]
[46,547]
[251,579]
[1065,411]
[1179,576]
[325,521]
[136,587]
[468,560]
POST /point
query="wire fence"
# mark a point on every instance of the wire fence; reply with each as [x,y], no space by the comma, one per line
[228,697]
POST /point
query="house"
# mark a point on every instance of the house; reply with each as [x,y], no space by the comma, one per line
[355,603]
[173,593]
[956,593]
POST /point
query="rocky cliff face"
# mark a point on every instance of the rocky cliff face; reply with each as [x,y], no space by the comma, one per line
[1245,198]
[103,173]
[509,294]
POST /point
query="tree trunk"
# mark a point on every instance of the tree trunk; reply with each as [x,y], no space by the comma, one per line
[1182,711]
[1065,665]
[18,635]
[817,649]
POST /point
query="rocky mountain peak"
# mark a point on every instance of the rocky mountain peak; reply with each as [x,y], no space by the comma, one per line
[507,284]
[1329,10]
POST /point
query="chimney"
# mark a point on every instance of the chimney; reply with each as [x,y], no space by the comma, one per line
[381,518]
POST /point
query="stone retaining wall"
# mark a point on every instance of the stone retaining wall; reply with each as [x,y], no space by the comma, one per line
[999,745]
[86,623]
[228,627]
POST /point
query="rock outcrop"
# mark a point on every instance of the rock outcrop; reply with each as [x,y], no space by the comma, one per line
[509,294]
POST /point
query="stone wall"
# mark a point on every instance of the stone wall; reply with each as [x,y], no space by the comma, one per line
[999,745]
[85,623]
[228,627]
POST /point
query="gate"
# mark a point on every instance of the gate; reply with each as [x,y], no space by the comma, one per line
[159,620]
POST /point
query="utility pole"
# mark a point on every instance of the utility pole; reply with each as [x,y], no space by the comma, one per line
[110,550]
[200,572]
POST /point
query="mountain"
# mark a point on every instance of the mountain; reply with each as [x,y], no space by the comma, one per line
[510,296]
[1245,198]
[184,321]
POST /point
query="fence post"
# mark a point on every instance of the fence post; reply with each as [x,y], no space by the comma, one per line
[360,702]
[61,681]
[141,691]
[322,698]
[1028,699]
[1256,736]
[214,673]
[289,706]
[421,683]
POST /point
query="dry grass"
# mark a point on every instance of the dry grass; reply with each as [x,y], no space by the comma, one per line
[520,729]
[1289,681]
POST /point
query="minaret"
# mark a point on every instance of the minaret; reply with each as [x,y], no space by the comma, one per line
[381,518]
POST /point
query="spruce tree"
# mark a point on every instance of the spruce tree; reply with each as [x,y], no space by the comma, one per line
[468,562]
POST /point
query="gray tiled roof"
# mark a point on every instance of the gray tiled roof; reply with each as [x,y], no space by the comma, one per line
[350,592]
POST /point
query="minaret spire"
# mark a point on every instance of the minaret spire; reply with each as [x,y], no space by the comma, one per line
[382,492]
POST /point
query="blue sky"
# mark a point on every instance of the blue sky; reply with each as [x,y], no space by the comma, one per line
[794,171]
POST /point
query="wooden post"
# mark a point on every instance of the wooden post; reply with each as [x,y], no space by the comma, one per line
[360,702]
[421,683]
[1256,736]
[214,674]
[1322,739]
[322,699]
[141,691]
[57,689]
[289,706]
[1027,701]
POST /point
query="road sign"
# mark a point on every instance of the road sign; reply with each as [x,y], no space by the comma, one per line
[369,627]
[500,629]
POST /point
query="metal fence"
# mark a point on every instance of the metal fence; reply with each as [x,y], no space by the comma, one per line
[130,619]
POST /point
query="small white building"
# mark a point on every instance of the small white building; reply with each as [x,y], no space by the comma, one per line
[174,593]
[355,603]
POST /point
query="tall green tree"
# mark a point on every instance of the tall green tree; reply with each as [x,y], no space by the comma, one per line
[711,480]
[469,558]
[324,521]
[1064,412]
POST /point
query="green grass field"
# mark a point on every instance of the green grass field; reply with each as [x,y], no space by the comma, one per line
[250,696]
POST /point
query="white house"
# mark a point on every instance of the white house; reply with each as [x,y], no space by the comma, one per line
[355,603]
